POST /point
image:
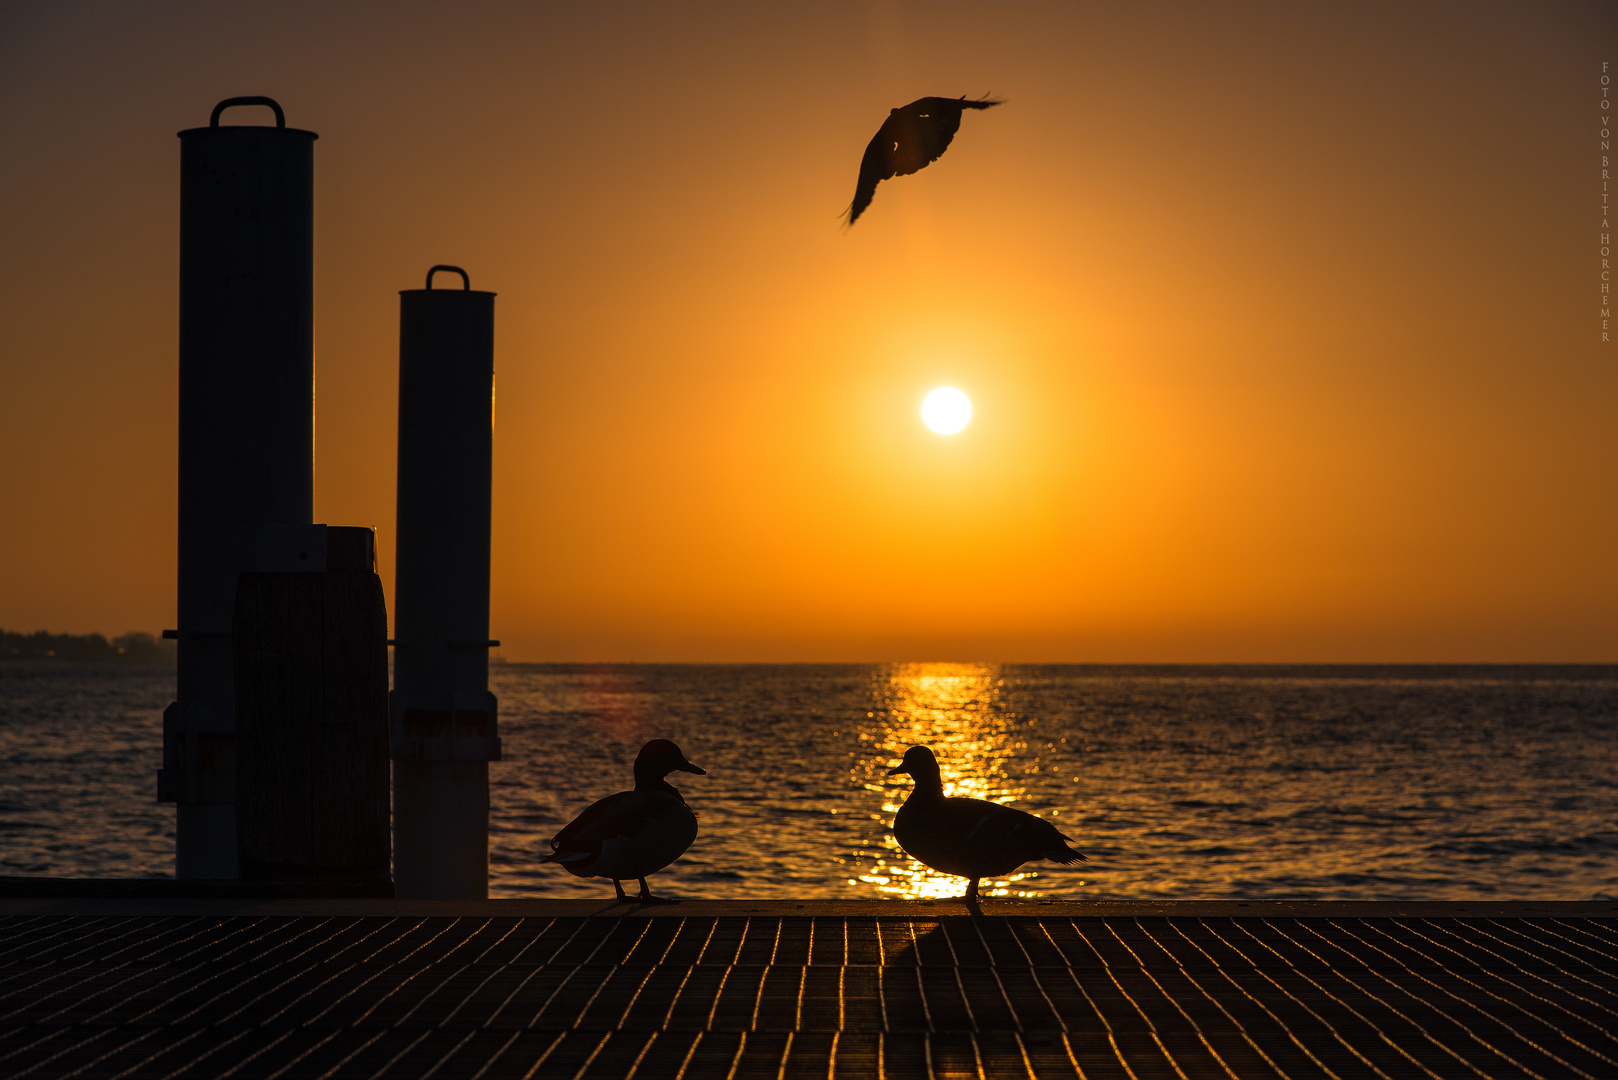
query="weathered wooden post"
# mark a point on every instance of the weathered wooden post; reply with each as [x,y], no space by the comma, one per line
[310,640]
[246,434]
[444,718]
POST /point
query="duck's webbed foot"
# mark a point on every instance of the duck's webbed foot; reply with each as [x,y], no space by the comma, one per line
[646,896]
[623,897]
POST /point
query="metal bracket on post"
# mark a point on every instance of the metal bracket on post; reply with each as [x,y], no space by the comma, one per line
[464,728]
[199,758]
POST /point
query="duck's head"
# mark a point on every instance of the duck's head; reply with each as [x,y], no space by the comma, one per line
[660,757]
[920,763]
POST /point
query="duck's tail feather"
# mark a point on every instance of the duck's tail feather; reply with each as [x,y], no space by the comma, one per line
[1065,855]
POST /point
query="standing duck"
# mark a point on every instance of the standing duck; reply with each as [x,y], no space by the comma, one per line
[632,834]
[969,837]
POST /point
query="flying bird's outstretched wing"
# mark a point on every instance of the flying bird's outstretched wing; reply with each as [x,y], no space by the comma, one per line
[909,140]
[873,170]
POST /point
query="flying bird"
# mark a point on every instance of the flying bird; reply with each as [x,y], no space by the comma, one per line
[634,833]
[969,837]
[910,139]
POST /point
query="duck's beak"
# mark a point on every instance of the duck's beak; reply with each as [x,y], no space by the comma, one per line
[899,768]
[686,766]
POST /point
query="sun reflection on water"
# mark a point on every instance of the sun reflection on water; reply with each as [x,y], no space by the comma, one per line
[961,712]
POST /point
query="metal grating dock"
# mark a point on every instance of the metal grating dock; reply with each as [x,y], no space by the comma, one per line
[727,997]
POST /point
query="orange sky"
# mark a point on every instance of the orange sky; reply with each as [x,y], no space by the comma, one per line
[1281,322]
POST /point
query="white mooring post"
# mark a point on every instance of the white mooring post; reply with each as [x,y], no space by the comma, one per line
[246,435]
[444,718]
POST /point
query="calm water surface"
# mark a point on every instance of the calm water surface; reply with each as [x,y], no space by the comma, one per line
[1442,783]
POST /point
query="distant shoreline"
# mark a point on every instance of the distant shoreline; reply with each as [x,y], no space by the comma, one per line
[41,646]
[138,648]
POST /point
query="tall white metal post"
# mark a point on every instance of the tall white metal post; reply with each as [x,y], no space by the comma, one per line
[444,718]
[246,434]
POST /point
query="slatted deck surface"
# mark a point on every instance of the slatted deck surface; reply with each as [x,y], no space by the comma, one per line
[489,996]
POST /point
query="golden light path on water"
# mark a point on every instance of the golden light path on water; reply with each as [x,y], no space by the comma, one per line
[960,711]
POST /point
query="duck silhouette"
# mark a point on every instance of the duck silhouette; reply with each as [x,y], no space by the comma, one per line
[632,834]
[909,140]
[968,837]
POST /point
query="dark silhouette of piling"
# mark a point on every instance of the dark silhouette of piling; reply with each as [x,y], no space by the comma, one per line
[444,718]
[246,434]
[310,640]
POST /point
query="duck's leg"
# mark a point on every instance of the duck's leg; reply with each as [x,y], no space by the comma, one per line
[972,891]
[623,897]
[646,896]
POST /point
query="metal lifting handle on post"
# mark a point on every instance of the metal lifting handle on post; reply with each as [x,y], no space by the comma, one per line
[280,117]
[466,279]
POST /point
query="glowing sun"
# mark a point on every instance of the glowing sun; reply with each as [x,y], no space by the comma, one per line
[946,410]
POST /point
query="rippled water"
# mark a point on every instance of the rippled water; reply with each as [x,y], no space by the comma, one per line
[1441,783]
[80,745]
